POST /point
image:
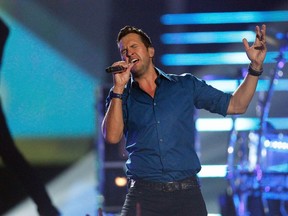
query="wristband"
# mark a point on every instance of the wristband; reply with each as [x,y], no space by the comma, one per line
[115,95]
[253,72]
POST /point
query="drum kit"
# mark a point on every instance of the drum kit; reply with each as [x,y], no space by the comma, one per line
[257,161]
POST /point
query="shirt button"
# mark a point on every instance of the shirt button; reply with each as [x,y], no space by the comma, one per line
[155,104]
[161,140]
[158,122]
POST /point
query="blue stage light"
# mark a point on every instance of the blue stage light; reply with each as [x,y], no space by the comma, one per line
[263,85]
[225,17]
[207,37]
[229,58]
[213,171]
[241,124]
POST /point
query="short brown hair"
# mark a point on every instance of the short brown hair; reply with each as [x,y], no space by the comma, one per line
[130,29]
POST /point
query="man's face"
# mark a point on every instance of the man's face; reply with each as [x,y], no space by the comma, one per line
[131,47]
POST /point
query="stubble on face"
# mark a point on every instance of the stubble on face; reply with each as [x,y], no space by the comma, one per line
[132,48]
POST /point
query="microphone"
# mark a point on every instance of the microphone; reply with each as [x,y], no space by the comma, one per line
[118,68]
[113,69]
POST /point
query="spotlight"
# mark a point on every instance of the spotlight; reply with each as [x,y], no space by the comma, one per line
[120,181]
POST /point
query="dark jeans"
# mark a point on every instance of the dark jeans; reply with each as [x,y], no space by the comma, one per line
[158,203]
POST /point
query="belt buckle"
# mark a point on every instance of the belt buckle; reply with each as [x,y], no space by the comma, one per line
[166,187]
[170,186]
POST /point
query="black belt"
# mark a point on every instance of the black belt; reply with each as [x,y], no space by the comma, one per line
[185,184]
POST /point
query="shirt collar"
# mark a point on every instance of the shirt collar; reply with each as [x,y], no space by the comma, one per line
[163,74]
[160,74]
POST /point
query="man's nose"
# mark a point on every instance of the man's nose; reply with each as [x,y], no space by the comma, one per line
[129,53]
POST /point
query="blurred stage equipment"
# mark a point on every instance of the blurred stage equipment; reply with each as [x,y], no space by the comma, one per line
[257,161]
[111,166]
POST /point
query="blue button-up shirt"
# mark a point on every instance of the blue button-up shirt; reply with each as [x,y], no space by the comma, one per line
[160,131]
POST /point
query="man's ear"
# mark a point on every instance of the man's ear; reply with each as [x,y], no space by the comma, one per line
[151,51]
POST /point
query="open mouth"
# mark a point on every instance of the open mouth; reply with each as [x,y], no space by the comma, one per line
[134,60]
